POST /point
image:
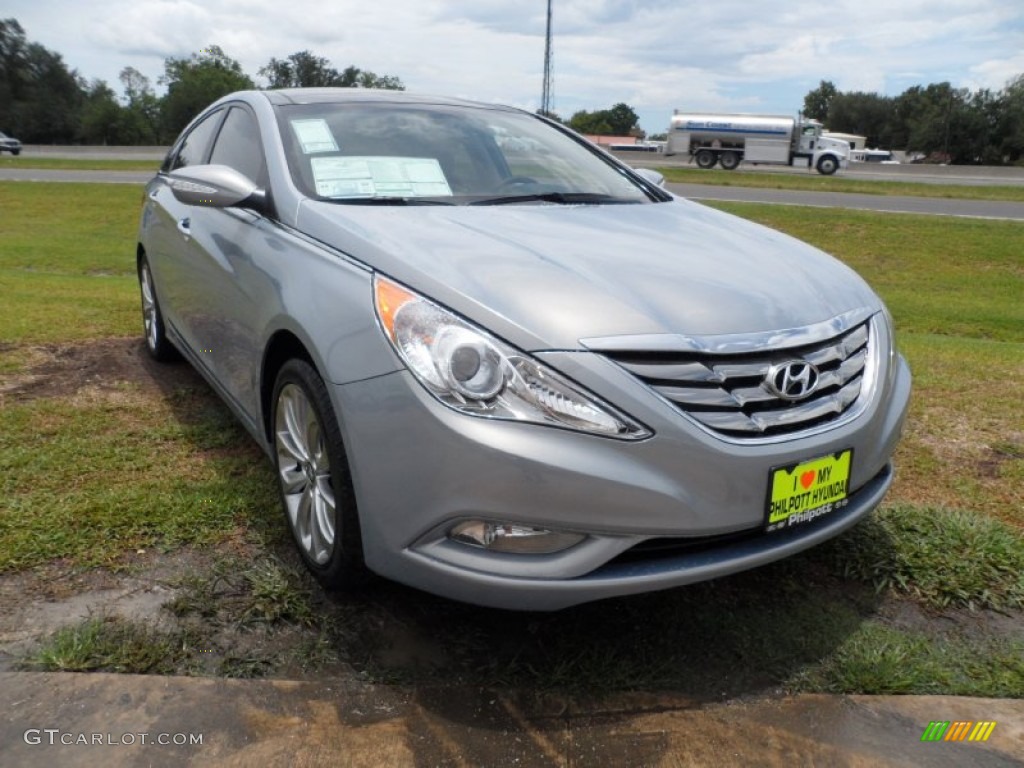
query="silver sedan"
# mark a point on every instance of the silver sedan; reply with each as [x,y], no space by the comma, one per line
[492,362]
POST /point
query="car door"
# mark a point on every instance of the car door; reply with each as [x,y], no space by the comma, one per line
[168,234]
[229,287]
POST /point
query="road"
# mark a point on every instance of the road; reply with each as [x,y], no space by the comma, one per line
[983,209]
[980,209]
[960,175]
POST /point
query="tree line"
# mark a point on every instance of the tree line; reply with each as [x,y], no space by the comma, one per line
[938,121]
[43,102]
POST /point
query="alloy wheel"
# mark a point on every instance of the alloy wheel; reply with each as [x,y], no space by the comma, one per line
[304,472]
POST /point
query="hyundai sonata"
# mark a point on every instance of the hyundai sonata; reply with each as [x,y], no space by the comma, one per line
[490,361]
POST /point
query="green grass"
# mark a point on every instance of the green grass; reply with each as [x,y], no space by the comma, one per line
[67,261]
[964,439]
[111,644]
[79,164]
[944,558]
[265,591]
[814,182]
[877,659]
[91,478]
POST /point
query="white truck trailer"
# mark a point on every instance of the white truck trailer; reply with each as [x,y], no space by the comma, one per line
[727,140]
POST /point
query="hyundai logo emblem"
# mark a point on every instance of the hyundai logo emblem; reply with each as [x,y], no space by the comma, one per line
[793,380]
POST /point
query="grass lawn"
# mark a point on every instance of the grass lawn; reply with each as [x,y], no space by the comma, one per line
[79,164]
[67,262]
[104,456]
[815,182]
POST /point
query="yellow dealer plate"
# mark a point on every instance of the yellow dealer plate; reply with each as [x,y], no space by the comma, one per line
[800,493]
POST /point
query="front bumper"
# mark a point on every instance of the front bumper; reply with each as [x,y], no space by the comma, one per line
[418,467]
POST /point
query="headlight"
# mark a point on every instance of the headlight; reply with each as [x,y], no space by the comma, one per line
[471,371]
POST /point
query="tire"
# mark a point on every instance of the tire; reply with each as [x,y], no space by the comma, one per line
[15,152]
[158,345]
[827,165]
[729,160]
[706,159]
[313,478]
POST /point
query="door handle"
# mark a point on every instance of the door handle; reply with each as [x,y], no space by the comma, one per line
[154,193]
[185,226]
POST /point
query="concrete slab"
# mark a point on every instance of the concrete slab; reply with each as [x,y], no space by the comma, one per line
[125,720]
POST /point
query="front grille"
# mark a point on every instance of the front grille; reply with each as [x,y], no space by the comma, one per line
[727,393]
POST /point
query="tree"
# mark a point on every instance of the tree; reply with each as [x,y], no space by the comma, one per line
[818,102]
[620,120]
[40,98]
[196,82]
[940,122]
[300,70]
[1008,133]
[12,64]
[864,114]
[140,119]
[101,116]
[305,70]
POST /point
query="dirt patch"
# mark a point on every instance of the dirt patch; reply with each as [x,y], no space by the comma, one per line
[223,637]
[66,369]
[36,603]
[907,615]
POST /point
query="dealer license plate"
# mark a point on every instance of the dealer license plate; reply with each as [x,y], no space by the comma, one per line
[800,493]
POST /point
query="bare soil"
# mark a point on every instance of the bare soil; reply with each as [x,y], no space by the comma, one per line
[59,370]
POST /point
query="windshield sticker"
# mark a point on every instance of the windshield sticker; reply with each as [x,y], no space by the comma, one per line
[314,136]
[379,177]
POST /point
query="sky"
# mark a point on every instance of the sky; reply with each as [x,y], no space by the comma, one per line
[655,55]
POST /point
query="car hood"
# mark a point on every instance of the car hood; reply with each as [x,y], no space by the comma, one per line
[546,276]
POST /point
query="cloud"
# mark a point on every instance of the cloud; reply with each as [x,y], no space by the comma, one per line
[996,73]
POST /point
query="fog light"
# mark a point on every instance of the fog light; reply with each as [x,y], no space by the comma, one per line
[509,537]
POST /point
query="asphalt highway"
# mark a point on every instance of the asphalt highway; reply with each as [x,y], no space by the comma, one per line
[979,209]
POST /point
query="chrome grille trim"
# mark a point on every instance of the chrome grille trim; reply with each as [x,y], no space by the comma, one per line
[732,344]
[726,393]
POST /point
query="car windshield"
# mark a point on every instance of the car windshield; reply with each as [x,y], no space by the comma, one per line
[435,155]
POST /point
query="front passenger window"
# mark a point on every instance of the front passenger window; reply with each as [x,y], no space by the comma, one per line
[193,149]
[238,146]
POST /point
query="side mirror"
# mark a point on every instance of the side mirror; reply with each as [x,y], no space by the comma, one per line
[214,186]
[651,175]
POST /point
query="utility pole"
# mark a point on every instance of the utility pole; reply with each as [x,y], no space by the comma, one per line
[545,98]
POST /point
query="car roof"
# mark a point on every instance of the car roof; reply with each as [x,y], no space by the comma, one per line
[285,96]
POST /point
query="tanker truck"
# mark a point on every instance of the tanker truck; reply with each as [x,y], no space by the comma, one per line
[727,140]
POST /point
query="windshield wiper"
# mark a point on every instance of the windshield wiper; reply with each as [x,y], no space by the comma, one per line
[565,198]
[385,200]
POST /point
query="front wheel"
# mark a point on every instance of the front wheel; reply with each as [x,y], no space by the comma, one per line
[827,165]
[157,343]
[706,159]
[729,160]
[313,478]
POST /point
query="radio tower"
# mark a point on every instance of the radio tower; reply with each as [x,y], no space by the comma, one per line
[545,98]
